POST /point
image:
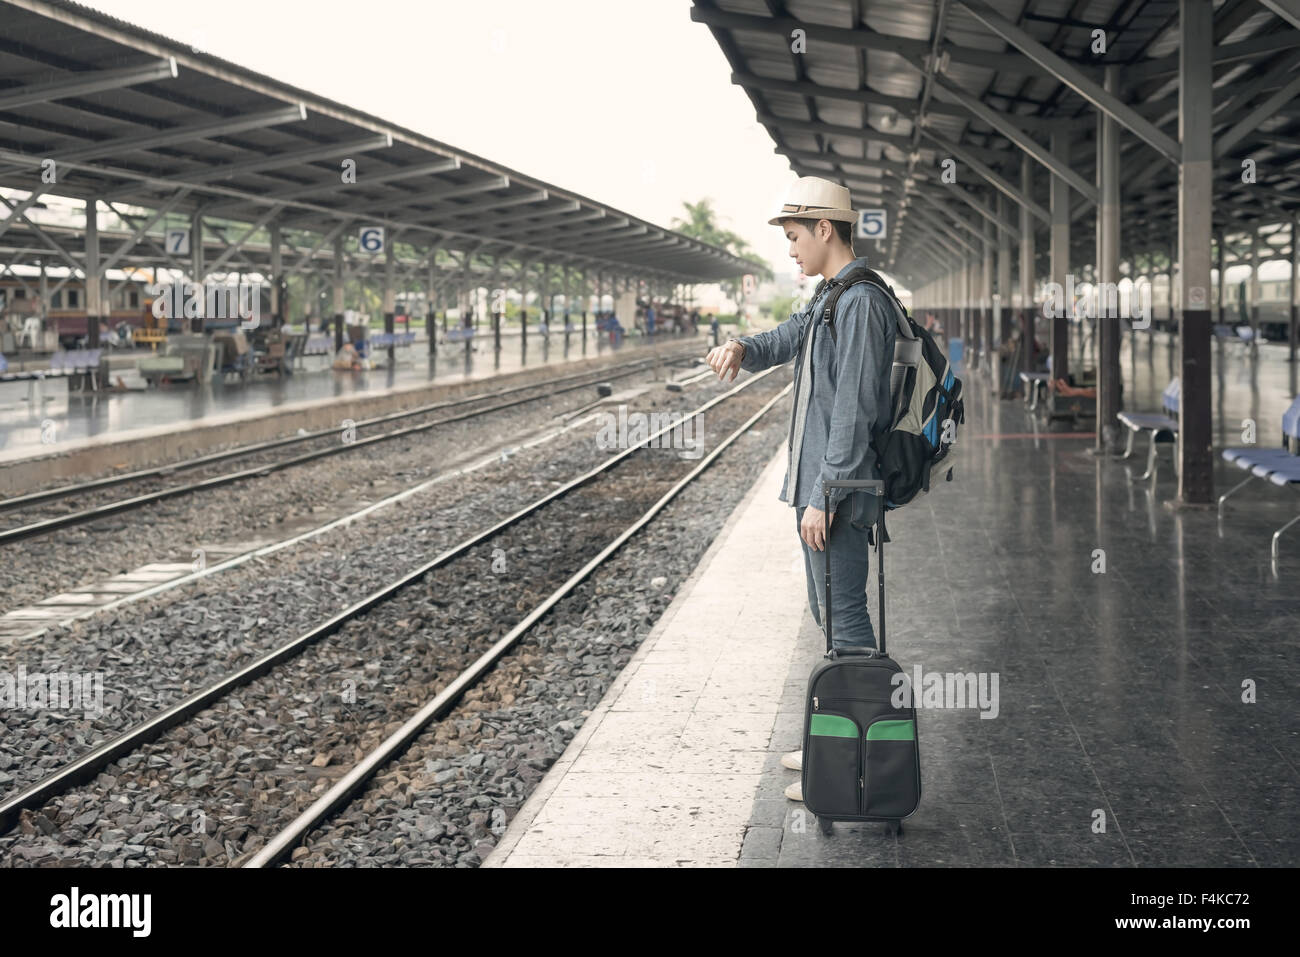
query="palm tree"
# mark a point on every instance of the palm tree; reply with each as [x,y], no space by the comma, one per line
[701,223]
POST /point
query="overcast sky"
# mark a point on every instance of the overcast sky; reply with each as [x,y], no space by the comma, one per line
[627,102]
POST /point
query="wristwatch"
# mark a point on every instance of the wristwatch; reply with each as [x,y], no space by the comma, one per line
[743,350]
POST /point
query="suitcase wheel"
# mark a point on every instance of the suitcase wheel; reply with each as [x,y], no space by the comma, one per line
[894,827]
[826,825]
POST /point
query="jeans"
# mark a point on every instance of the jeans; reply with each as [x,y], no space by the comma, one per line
[849,555]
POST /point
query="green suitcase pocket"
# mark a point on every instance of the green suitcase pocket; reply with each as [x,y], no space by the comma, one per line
[832,766]
[891,775]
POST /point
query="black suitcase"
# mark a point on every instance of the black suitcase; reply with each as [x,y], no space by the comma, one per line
[860,757]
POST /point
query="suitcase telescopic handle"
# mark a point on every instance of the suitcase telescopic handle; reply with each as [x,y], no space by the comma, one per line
[875,487]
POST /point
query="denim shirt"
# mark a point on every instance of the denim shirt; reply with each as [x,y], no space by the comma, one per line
[848,399]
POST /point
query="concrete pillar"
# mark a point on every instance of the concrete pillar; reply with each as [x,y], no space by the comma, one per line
[198,264]
[1295,292]
[986,335]
[431,312]
[1108,240]
[1219,254]
[1195,189]
[1252,304]
[1004,302]
[338,293]
[389,295]
[277,277]
[1027,266]
[94,277]
[1060,255]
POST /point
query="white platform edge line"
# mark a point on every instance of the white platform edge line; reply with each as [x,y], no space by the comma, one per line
[546,787]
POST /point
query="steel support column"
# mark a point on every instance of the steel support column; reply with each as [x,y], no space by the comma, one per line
[389,296]
[197,266]
[1195,189]
[1026,266]
[1002,305]
[1060,257]
[338,293]
[1295,291]
[1108,370]
[94,275]
[277,277]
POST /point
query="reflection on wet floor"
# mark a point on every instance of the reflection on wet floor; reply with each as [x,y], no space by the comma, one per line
[75,417]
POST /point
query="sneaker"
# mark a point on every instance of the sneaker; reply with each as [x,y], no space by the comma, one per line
[795,791]
[793,760]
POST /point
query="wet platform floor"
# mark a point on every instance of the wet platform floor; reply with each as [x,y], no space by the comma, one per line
[73,418]
[1145,658]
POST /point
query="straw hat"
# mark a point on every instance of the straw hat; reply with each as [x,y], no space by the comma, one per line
[812,197]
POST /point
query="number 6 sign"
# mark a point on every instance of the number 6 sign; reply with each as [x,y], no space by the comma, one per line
[871,224]
[372,239]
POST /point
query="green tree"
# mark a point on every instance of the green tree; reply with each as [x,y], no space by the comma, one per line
[781,307]
[701,222]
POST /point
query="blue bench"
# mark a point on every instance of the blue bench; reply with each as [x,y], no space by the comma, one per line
[460,333]
[1162,427]
[382,340]
[1279,466]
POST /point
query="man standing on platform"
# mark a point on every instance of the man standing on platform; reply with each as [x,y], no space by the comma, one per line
[841,403]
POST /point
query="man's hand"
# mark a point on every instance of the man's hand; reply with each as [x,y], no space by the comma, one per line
[726,358]
[813,527]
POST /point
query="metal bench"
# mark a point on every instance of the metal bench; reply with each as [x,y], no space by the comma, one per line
[33,378]
[1161,427]
[1279,466]
[75,362]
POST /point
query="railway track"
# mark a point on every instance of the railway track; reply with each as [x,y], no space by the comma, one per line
[638,486]
[327,441]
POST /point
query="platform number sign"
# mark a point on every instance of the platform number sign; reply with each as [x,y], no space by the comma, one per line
[178,242]
[372,239]
[871,224]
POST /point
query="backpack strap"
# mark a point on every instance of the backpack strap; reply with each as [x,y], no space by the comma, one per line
[853,278]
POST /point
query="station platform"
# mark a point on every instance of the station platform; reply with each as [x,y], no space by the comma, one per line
[1140,663]
[64,425]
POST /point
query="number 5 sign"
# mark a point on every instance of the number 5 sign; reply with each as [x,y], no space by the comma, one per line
[372,239]
[871,224]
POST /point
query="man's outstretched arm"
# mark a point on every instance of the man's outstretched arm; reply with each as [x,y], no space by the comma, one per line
[757,352]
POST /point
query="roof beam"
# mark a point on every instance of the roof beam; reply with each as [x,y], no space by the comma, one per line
[94,81]
[1000,184]
[902,104]
[1075,79]
[862,39]
[1251,121]
[1002,123]
[436,196]
[1288,10]
[184,134]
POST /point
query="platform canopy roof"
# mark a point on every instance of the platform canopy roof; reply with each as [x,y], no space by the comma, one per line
[131,117]
[877,94]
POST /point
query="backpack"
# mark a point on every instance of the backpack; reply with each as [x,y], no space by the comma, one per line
[925,397]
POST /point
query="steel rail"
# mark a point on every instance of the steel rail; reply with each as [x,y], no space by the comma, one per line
[342,791]
[45,526]
[90,764]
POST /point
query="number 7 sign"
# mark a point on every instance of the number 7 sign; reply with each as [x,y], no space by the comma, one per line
[871,224]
